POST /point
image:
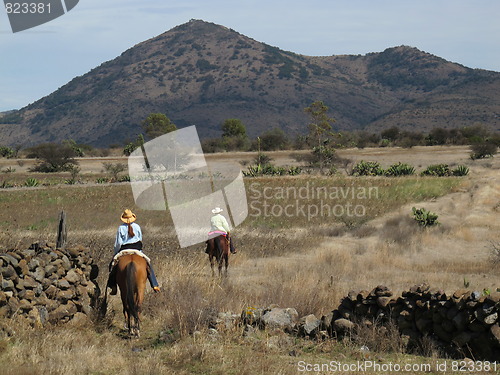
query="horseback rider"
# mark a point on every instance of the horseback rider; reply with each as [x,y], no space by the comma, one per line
[129,236]
[219,225]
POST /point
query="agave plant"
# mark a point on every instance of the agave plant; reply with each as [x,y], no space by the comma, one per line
[400,169]
[460,170]
[439,170]
[367,168]
[31,182]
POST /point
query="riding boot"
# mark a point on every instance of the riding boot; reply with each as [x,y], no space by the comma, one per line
[152,279]
[231,246]
[112,282]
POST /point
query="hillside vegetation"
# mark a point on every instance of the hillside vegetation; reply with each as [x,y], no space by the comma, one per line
[201,73]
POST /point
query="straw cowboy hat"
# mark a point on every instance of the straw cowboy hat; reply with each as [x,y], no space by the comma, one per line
[128,216]
[217,210]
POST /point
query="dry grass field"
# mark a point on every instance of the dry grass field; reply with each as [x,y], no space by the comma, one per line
[303,261]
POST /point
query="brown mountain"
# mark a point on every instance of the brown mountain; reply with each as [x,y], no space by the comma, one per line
[201,73]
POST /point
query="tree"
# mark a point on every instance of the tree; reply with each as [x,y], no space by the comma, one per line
[234,135]
[320,126]
[274,139]
[157,124]
[130,147]
[320,130]
[391,134]
[53,157]
[233,127]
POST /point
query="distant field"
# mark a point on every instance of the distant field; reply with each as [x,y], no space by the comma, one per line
[298,260]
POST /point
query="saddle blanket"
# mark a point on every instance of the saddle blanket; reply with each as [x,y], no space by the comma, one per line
[216,233]
[129,252]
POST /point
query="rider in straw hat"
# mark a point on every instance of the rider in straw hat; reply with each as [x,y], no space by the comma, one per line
[129,236]
[219,226]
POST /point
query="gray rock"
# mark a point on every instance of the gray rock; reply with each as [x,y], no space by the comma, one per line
[309,325]
[63,284]
[72,276]
[491,319]
[343,325]
[65,295]
[9,272]
[66,263]
[284,318]
[38,274]
[6,285]
[475,296]
[50,269]
[10,259]
[62,313]
[30,283]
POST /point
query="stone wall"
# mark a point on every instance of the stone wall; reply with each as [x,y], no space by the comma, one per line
[463,324]
[47,285]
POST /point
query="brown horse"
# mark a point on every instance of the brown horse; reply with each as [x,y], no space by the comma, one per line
[218,249]
[131,275]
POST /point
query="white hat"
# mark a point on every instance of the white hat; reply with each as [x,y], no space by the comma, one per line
[217,210]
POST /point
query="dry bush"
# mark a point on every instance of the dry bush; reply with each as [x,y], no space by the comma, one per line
[380,338]
[400,230]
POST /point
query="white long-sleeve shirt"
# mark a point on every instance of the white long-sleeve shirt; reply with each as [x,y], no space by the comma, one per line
[123,238]
[219,222]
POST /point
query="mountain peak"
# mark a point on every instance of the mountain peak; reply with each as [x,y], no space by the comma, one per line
[202,73]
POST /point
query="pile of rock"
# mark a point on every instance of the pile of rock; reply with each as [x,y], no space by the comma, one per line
[47,285]
[464,323]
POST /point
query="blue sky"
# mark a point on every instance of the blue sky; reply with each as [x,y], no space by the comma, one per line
[36,62]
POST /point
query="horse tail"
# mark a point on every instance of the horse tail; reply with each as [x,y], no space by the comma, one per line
[218,248]
[131,287]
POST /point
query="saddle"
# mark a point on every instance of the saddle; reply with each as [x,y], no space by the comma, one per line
[117,257]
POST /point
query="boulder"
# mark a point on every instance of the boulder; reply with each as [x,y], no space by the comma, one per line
[30,283]
[7,285]
[8,272]
[343,326]
[10,259]
[62,313]
[283,318]
[309,325]
[72,276]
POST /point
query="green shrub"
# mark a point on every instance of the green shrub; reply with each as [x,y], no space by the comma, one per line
[294,171]
[424,218]
[400,169]
[270,170]
[460,170]
[113,170]
[7,152]
[439,170]
[367,168]
[481,150]
[9,170]
[31,182]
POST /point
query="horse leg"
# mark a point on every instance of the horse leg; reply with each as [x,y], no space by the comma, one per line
[226,262]
[211,258]
[221,261]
